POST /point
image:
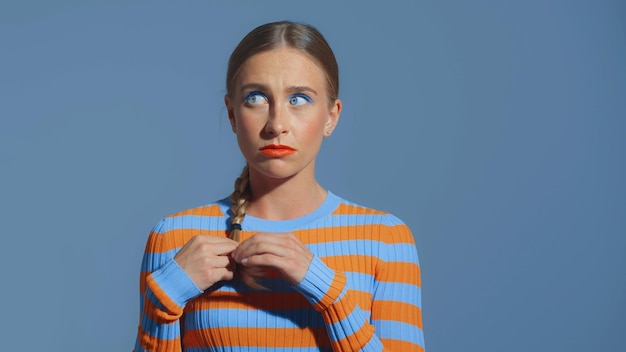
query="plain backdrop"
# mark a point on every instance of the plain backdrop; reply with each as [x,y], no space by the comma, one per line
[494,129]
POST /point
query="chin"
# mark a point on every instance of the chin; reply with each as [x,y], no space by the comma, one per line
[276,173]
[278,169]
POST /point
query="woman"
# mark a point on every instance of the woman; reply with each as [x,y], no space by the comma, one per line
[282,264]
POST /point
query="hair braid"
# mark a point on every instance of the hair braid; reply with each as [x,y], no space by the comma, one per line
[239,199]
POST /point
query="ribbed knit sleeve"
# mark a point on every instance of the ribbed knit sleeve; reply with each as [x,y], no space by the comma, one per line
[395,323]
[164,290]
[397,300]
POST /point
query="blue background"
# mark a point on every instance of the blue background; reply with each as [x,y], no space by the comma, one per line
[495,129]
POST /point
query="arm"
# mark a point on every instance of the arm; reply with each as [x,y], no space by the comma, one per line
[395,323]
[164,291]
[171,276]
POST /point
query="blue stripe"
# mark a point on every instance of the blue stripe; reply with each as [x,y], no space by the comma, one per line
[348,325]
[381,250]
[357,220]
[374,344]
[153,261]
[198,222]
[274,285]
[360,281]
[220,223]
[392,220]
[389,329]
[160,331]
[258,318]
[399,292]
[406,253]
[152,298]
[343,292]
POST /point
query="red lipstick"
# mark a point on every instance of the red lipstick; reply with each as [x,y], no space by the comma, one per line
[277,150]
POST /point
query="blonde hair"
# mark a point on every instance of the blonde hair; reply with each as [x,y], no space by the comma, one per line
[240,199]
[300,36]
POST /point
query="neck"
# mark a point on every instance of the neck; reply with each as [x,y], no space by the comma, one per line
[283,199]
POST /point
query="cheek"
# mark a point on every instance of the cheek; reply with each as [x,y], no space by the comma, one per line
[313,133]
[248,125]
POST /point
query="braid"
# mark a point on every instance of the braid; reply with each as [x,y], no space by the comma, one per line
[240,198]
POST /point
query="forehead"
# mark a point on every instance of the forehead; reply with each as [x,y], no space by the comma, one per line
[285,66]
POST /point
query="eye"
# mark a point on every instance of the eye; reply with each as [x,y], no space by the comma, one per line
[299,99]
[255,97]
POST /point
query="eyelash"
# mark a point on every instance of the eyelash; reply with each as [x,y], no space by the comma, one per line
[300,95]
[249,95]
[255,93]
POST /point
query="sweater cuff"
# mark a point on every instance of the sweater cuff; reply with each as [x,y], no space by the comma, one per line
[175,283]
[321,285]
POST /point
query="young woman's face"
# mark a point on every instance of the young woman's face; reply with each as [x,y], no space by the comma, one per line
[280,110]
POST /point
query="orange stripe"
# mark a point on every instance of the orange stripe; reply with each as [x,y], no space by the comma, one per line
[343,308]
[151,343]
[174,310]
[358,339]
[374,232]
[266,337]
[397,345]
[173,239]
[336,287]
[142,282]
[346,209]
[357,263]
[402,272]
[253,300]
[263,300]
[362,298]
[207,210]
[397,311]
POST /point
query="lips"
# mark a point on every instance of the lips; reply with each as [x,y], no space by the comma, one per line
[277,150]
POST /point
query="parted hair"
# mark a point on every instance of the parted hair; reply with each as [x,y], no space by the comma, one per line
[302,37]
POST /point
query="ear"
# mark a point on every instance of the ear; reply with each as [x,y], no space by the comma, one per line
[231,113]
[333,117]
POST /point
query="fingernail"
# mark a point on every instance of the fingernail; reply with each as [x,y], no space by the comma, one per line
[244,261]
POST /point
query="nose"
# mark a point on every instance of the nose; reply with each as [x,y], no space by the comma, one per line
[278,121]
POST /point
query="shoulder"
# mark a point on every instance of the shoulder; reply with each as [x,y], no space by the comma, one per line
[379,221]
[209,217]
[371,215]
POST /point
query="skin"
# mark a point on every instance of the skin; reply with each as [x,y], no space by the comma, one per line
[280,97]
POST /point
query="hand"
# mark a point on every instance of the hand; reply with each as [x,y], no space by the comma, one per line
[282,252]
[206,259]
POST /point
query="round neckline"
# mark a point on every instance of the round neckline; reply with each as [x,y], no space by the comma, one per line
[252,223]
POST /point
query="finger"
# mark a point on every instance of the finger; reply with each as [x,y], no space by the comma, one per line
[287,247]
[222,249]
[222,274]
[211,239]
[211,247]
[218,239]
[292,269]
[262,260]
[220,262]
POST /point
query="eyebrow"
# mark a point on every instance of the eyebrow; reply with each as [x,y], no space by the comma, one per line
[261,87]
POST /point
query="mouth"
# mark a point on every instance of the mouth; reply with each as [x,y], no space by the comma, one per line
[277,150]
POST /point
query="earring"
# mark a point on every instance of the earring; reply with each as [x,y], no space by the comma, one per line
[328,132]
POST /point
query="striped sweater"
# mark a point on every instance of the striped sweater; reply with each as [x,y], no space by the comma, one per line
[361,292]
